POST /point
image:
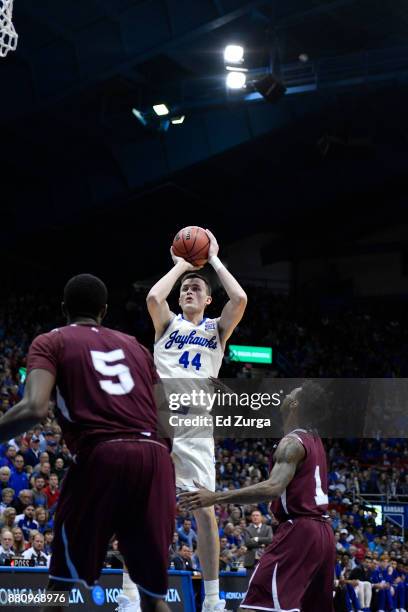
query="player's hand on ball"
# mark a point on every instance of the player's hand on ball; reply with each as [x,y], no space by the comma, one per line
[214,248]
[188,266]
[193,500]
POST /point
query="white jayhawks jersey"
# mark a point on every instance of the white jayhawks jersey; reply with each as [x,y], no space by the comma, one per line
[186,350]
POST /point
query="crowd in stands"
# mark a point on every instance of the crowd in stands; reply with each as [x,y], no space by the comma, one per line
[372,559]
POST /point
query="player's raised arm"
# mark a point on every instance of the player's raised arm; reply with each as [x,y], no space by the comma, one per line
[234,309]
[157,305]
[32,408]
[288,455]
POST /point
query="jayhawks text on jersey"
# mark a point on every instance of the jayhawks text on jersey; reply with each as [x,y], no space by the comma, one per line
[186,350]
[192,338]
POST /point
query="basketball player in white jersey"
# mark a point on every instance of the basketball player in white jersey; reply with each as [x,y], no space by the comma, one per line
[189,345]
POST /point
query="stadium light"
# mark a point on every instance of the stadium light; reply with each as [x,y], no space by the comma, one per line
[235,69]
[161,110]
[236,80]
[234,54]
[178,120]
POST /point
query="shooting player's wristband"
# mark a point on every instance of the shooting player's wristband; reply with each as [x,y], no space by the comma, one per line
[215,262]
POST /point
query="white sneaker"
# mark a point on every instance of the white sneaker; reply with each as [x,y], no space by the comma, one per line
[125,605]
[218,607]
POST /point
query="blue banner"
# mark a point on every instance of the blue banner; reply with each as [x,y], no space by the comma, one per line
[18,581]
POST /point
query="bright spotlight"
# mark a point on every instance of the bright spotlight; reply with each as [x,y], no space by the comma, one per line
[161,110]
[234,54]
[178,120]
[236,80]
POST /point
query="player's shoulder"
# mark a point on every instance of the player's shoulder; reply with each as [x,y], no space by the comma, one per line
[121,337]
[47,337]
[127,339]
[108,331]
[309,436]
[291,448]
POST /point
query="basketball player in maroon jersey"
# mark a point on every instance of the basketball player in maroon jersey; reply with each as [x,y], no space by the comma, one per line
[122,477]
[296,572]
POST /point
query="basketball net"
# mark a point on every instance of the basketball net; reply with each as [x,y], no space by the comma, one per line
[8,35]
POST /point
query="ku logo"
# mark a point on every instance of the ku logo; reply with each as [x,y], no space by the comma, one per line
[209,325]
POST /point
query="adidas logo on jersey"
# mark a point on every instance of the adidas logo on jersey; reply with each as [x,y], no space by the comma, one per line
[192,338]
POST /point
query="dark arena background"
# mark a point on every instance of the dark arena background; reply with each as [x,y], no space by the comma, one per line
[301,174]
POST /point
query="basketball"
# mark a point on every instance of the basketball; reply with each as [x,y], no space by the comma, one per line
[192,244]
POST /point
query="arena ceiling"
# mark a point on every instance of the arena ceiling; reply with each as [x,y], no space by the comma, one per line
[78,169]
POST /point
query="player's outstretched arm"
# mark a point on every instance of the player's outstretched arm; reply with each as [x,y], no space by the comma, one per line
[157,305]
[288,455]
[32,408]
[234,309]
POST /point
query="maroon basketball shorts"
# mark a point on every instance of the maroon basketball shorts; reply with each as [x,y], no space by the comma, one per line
[296,572]
[123,487]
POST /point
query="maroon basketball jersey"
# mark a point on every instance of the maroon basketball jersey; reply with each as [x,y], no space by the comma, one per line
[104,382]
[306,494]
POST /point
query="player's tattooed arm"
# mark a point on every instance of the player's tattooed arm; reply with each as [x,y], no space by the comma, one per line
[32,408]
[289,454]
[157,305]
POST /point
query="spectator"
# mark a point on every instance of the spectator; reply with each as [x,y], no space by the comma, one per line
[186,534]
[335,519]
[226,561]
[27,522]
[36,552]
[343,541]
[40,499]
[65,455]
[39,433]
[19,542]
[256,537]
[19,479]
[32,455]
[59,469]
[8,519]
[52,449]
[44,458]
[113,557]
[6,546]
[235,515]
[7,497]
[52,492]
[224,544]
[25,498]
[41,516]
[397,580]
[381,583]
[48,539]
[174,546]
[8,459]
[183,559]
[44,471]
[5,474]
[361,575]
